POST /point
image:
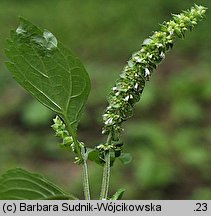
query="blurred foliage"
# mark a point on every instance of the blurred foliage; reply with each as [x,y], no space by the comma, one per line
[169,136]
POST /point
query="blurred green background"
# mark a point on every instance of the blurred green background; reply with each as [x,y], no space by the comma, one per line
[169,136]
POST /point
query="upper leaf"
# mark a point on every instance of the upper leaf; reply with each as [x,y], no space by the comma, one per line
[49,71]
[19,184]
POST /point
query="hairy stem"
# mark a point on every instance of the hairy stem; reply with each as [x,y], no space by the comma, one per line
[85,179]
[106,177]
[106,172]
[86,182]
[85,172]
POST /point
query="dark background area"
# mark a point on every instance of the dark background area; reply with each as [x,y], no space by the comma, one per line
[169,135]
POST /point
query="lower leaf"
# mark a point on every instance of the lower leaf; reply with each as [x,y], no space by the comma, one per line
[118,195]
[19,184]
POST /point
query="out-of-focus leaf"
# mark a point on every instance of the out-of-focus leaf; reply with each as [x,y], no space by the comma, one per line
[152,171]
[125,158]
[202,193]
[19,184]
[34,113]
[186,110]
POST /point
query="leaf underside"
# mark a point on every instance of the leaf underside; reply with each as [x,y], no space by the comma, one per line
[49,71]
[19,184]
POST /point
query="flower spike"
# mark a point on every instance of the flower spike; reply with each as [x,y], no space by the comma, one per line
[129,87]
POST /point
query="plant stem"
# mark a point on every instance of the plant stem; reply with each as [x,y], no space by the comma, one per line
[85,181]
[106,177]
[81,154]
[85,173]
[106,172]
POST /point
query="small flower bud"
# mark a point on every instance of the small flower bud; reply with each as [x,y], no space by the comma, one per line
[147,72]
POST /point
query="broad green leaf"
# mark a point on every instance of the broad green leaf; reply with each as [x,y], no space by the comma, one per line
[49,71]
[97,157]
[118,195]
[93,155]
[19,184]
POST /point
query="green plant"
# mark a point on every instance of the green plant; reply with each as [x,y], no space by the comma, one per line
[56,78]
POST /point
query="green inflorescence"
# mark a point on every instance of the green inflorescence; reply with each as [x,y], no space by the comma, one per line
[68,142]
[129,87]
[61,132]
